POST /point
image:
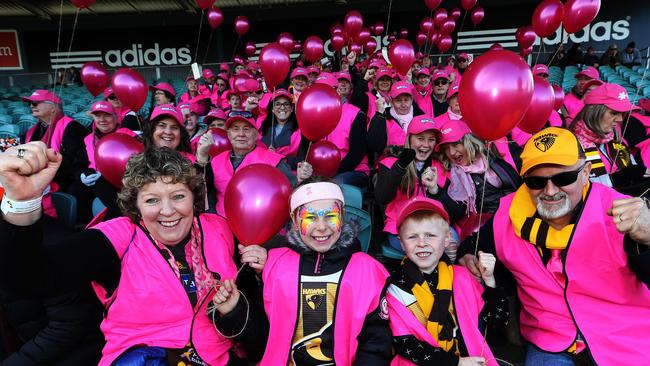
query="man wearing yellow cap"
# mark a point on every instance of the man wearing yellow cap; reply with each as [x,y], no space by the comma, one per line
[579,254]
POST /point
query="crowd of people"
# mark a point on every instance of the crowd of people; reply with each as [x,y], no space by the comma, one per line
[539,239]
[612,57]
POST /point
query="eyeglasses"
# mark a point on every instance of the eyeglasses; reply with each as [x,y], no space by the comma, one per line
[440,82]
[559,180]
[245,114]
[221,84]
[112,97]
[461,60]
[282,105]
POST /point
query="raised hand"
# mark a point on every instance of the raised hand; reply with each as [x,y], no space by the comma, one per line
[26,170]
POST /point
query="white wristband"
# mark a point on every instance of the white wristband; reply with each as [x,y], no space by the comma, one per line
[20,207]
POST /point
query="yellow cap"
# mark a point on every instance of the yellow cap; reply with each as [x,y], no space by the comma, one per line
[551,145]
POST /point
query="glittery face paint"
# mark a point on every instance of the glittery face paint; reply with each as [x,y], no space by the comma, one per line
[308,217]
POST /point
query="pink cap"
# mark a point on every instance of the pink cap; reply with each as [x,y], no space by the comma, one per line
[215,114]
[613,96]
[453,89]
[463,55]
[423,71]
[186,108]
[343,75]
[440,74]
[207,73]
[224,67]
[377,64]
[282,93]
[420,203]
[327,78]
[313,69]
[238,61]
[164,87]
[102,106]
[42,95]
[234,119]
[540,69]
[167,110]
[592,82]
[243,73]
[230,93]
[108,92]
[589,72]
[452,131]
[384,72]
[399,88]
[191,77]
[422,123]
[223,76]
[253,66]
[299,71]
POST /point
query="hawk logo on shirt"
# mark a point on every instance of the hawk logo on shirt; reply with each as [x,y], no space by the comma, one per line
[544,142]
[314,297]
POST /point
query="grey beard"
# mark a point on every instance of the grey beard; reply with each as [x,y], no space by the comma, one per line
[558,212]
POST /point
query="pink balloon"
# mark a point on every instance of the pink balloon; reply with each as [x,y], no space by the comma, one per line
[391,38]
[325,158]
[238,59]
[444,43]
[496,47]
[477,15]
[338,42]
[524,52]
[356,48]
[432,4]
[112,152]
[419,55]
[95,77]
[467,4]
[353,22]
[448,26]
[370,47]
[250,49]
[439,17]
[579,13]
[421,39]
[493,106]
[215,18]
[547,17]
[241,25]
[525,36]
[221,142]
[318,111]
[297,46]
[204,4]
[379,29]
[129,86]
[433,38]
[364,35]
[559,97]
[239,84]
[540,106]
[256,202]
[401,55]
[455,13]
[275,63]
[313,48]
[336,28]
[286,41]
[426,25]
[403,33]
[82,4]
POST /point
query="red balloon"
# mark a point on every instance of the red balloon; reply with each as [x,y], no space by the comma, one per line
[379,28]
[477,15]
[559,97]
[275,63]
[364,35]
[325,158]
[421,38]
[540,106]
[250,49]
[297,46]
[95,77]
[419,55]
[338,42]
[403,33]
[391,38]
[221,142]
[432,4]
[579,13]
[444,43]
[547,17]
[525,36]
[524,52]
[454,14]
[492,106]
[313,48]
[401,55]
[204,4]
[353,22]
[439,17]
[256,202]
[356,48]
[318,111]
[241,25]
[130,88]
[215,18]
[448,26]
[371,47]
[496,47]
[286,41]
[112,152]
[239,84]
[467,4]
[433,38]
[81,4]
[426,25]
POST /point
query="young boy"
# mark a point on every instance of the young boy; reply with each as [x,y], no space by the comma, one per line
[434,307]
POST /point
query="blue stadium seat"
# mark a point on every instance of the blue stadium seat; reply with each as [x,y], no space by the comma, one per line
[365,225]
[66,208]
[9,130]
[353,195]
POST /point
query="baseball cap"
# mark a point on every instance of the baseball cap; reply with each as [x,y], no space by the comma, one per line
[420,203]
[589,72]
[214,114]
[313,69]
[250,86]
[440,74]
[384,72]
[164,87]
[102,106]
[463,55]
[186,108]
[552,145]
[207,73]
[327,78]
[343,75]
[376,64]
[223,76]
[299,71]
[236,118]
[253,66]
[452,131]
[282,93]
[191,77]
[423,71]
[167,110]
[592,82]
[399,88]
[224,67]
[540,69]
[42,95]
[422,123]
[453,89]
[108,92]
[613,96]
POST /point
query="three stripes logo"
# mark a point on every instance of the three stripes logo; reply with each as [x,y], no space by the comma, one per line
[482,40]
[63,60]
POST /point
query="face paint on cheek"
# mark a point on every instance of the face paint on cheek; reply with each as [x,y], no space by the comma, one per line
[333,216]
[307,217]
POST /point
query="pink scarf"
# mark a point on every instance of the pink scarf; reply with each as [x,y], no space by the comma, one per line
[453,116]
[462,188]
[589,138]
[386,97]
[423,90]
[404,119]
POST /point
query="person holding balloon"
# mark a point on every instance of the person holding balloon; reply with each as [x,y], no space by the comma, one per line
[366,98]
[279,130]
[126,117]
[156,268]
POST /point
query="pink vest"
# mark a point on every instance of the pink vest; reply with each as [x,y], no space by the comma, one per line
[572,104]
[519,136]
[468,304]
[555,120]
[400,199]
[223,171]
[644,147]
[602,297]
[89,141]
[372,106]
[341,135]
[150,306]
[292,148]
[281,279]
[425,102]
[394,132]
[502,146]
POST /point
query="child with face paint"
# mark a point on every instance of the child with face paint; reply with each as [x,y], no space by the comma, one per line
[434,306]
[324,298]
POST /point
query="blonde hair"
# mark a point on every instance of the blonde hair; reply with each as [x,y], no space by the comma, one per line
[475,149]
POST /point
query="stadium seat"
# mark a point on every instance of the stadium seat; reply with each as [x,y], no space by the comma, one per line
[353,196]
[365,226]
[9,130]
[98,206]
[391,253]
[5,119]
[66,208]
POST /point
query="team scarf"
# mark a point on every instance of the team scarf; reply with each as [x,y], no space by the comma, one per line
[436,304]
[615,150]
[529,225]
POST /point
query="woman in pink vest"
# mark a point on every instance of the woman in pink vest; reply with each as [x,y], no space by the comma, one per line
[218,97]
[374,85]
[155,269]
[279,129]
[423,90]
[166,129]
[427,329]
[598,129]
[573,101]
[126,117]
[299,81]
[162,93]
[191,124]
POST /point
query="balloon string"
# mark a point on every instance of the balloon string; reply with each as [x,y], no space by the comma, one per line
[198,37]
[272,118]
[207,50]
[235,48]
[480,214]
[462,24]
[74,27]
[308,148]
[390,8]
[427,46]
[554,54]
[543,47]
[58,45]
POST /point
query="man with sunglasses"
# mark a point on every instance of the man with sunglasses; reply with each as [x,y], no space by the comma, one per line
[440,82]
[579,254]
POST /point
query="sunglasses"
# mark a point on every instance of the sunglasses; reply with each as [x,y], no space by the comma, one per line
[112,97]
[245,114]
[461,60]
[440,82]
[559,180]
[33,104]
